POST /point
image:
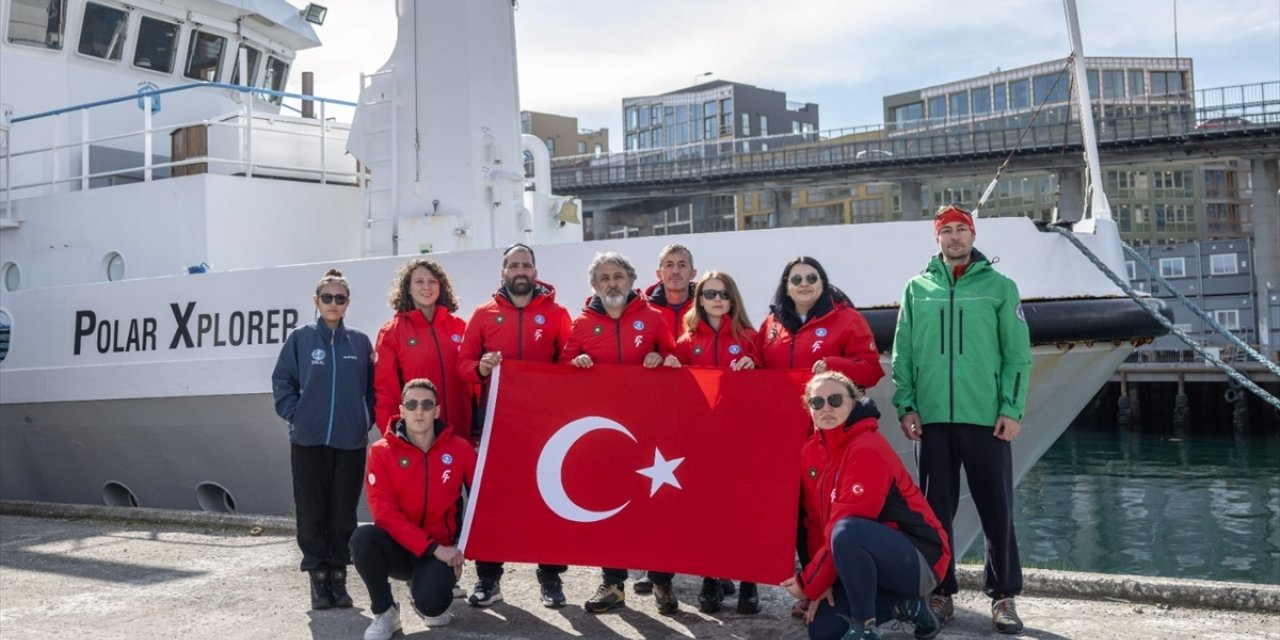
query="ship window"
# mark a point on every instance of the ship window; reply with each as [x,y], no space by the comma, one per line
[204,57]
[6,329]
[251,55]
[113,265]
[277,75]
[157,45]
[102,32]
[37,23]
[12,276]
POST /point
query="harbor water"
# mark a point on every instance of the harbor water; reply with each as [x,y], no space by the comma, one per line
[1196,503]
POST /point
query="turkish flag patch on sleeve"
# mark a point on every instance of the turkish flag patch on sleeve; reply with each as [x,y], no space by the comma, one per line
[693,471]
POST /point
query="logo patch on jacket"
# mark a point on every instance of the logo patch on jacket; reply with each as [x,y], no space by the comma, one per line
[404,463]
[317,356]
[858,489]
[813,473]
[446,458]
[444,477]
[735,349]
[373,479]
[821,332]
[697,351]
[456,337]
[597,329]
[537,335]
[539,319]
[638,325]
[413,342]
[500,319]
[1021,316]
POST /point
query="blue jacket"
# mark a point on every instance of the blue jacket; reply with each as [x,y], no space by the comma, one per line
[323,386]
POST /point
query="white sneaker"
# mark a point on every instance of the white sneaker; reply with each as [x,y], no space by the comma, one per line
[433,621]
[458,591]
[384,625]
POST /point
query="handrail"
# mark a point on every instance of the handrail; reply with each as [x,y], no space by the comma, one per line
[182,87]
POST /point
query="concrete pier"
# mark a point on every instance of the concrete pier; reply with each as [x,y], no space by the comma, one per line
[237,577]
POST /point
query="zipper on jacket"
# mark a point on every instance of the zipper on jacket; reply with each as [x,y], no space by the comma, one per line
[426,484]
[961,344]
[333,385]
[617,332]
[716,344]
[443,374]
[951,357]
[942,332]
[520,333]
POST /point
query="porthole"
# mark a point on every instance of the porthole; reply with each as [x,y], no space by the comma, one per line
[12,276]
[6,330]
[113,264]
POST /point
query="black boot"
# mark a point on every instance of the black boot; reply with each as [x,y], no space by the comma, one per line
[320,596]
[748,598]
[711,596]
[338,588]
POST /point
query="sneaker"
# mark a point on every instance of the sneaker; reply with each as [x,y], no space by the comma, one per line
[866,630]
[1004,616]
[433,621]
[607,597]
[917,613]
[727,587]
[642,586]
[943,607]
[552,594]
[458,591]
[711,596]
[748,598]
[384,625]
[665,595]
[485,594]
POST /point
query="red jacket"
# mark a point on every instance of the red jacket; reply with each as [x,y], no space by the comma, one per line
[414,495]
[707,347]
[852,472]
[409,346]
[657,296]
[639,331]
[537,332]
[834,331]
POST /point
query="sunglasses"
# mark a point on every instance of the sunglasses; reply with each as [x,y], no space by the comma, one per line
[412,404]
[334,298]
[811,279]
[712,294]
[818,402]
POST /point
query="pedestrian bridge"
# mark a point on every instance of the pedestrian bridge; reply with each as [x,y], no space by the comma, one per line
[1240,121]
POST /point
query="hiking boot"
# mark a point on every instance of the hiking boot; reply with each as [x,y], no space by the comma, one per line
[665,596]
[711,596]
[486,593]
[552,594]
[432,621]
[727,587]
[1004,616]
[320,596]
[608,597]
[384,624]
[642,586]
[943,607]
[917,613]
[748,598]
[338,588]
[866,630]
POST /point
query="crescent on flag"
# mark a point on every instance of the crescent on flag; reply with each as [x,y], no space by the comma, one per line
[551,465]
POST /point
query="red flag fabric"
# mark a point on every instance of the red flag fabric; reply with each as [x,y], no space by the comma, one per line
[693,471]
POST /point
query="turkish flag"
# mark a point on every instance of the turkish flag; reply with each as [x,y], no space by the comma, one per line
[693,471]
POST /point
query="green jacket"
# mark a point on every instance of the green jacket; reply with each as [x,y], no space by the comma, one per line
[961,351]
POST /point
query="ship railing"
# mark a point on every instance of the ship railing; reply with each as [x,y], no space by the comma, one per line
[260,143]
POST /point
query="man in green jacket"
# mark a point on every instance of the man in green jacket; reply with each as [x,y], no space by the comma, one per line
[961,363]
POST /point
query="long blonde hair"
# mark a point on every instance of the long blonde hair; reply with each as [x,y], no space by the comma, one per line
[739,323]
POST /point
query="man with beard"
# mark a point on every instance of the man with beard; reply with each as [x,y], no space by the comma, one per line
[672,294]
[521,322]
[961,364]
[618,326]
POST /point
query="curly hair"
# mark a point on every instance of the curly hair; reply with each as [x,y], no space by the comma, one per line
[400,298]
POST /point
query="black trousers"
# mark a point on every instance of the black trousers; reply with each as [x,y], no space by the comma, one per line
[988,466]
[379,558]
[492,571]
[326,490]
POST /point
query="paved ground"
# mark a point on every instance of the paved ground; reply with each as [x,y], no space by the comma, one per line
[94,579]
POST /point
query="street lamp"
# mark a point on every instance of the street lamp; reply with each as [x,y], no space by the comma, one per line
[701,75]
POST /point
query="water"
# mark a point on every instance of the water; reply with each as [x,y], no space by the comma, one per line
[1191,505]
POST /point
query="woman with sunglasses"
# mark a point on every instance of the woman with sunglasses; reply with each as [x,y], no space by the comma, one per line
[416,477]
[323,387]
[717,333]
[877,549]
[421,341]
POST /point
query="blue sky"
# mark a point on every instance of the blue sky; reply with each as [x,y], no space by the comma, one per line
[581,57]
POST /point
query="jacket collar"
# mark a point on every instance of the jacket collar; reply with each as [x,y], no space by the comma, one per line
[864,417]
[830,299]
[634,298]
[326,333]
[402,432]
[540,289]
[938,268]
[657,294]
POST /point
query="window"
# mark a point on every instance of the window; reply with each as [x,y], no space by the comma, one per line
[582,147]
[1019,95]
[1131,268]
[747,201]
[655,114]
[708,109]
[908,115]
[11,276]
[633,118]
[959,104]
[1000,97]
[1053,87]
[644,117]
[204,56]
[113,264]
[746,124]
[1228,318]
[102,32]
[938,108]
[277,76]
[1223,264]
[709,128]
[1137,82]
[251,60]
[1173,267]
[764,125]
[38,23]
[157,45]
[795,126]
[599,148]
[981,98]
[1095,87]
[1113,83]
[1166,83]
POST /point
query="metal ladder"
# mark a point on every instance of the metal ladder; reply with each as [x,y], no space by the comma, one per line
[379,177]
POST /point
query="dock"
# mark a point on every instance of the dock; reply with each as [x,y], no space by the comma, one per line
[202,578]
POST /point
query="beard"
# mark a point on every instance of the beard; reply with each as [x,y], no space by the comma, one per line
[613,300]
[519,286]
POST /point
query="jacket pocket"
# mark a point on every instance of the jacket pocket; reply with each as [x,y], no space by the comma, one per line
[942,332]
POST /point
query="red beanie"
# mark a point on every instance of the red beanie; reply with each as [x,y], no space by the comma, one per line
[950,214]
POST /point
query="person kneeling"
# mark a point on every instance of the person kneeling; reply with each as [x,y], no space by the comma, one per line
[876,548]
[413,535]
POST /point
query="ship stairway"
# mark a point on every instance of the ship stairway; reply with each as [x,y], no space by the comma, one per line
[380,171]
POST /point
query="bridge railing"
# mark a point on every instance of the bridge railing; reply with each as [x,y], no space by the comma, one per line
[1221,111]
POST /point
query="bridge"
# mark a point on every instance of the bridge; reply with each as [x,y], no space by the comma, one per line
[1240,121]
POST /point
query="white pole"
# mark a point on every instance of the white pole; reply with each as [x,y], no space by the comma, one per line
[323,125]
[84,149]
[248,139]
[1099,207]
[146,137]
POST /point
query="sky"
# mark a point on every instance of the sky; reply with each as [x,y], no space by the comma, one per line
[580,58]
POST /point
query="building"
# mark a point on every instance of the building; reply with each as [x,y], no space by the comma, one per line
[562,135]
